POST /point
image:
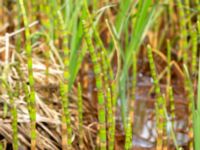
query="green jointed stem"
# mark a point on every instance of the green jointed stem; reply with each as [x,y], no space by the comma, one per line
[169,87]
[129,128]
[80,116]
[128,133]
[64,84]
[184,48]
[13,114]
[194,42]
[99,86]
[183,29]
[111,119]
[31,99]
[99,43]
[190,95]
[160,103]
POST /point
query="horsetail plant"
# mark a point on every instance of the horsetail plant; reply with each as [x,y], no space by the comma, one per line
[64,87]
[170,96]
[160,104]
[99,43]
[31,99]
[13,113]
[194,42]
[183,27]
[129,128]
[111,119]
[80,116]
[99,85]
[194,117]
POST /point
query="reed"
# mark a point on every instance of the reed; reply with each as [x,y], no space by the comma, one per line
[143,20]
[196,116]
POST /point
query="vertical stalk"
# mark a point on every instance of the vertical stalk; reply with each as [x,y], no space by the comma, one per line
[160,105]
[130,121]
[99,84]
[190,95]
[64,84]
[31,99]
[80,116]
[194,42]
[11,95]
[183,30]
[111,119]
[197,116]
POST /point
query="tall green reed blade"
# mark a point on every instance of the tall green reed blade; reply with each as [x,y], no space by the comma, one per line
[31,99]
[75,62]
[142,23]
[122,16]
[160,104]
[197,116]
[80,116]
[99,85]
[64,84]
[197,111]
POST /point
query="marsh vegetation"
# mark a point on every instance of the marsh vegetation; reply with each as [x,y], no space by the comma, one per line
[99,74]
